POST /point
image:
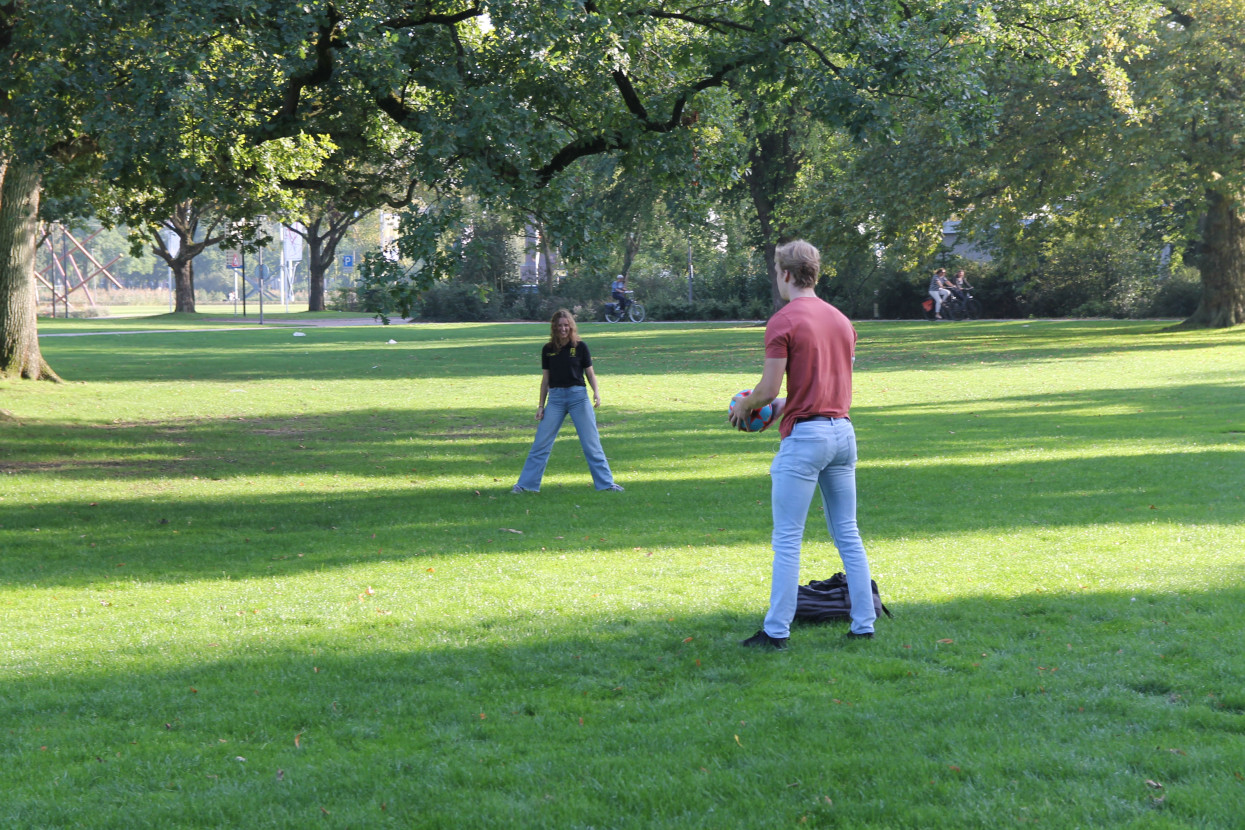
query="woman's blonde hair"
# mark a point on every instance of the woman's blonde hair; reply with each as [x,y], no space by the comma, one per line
[801,260]
[553,328]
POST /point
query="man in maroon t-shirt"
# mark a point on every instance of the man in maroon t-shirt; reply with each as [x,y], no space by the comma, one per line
[813,345]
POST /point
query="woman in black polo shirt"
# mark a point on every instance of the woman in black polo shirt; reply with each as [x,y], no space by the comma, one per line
[565,363]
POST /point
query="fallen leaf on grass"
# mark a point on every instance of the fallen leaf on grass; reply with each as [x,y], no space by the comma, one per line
[1153,784]
[511,530]
[738,741]
[946,641]
[298,740]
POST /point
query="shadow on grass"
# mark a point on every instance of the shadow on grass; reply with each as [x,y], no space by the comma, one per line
[437,482]
[1052,708]
[992,343]
[287,495]
[467,350]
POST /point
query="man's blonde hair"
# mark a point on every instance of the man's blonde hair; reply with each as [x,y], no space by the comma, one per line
[801,260]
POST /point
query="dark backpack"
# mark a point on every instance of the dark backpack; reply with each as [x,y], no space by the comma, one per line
[825,600]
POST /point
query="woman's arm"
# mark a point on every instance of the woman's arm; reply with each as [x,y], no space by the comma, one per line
[544,393]
[592,380]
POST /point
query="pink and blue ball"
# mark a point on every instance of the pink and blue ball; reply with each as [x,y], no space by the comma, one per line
[761,418]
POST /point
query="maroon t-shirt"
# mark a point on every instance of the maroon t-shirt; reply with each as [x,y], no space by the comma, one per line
[819,343]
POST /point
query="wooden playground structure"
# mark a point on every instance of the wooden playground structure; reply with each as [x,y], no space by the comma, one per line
[64,275]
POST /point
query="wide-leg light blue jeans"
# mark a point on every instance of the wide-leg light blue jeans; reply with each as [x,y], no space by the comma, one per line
[816,454]
[563,401]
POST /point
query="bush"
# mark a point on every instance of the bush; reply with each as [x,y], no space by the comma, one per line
[1177,296]
[343,299]
[351,298]
[456,302]
[541,306]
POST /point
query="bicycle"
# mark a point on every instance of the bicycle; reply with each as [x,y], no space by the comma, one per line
[634,312]
[963,307]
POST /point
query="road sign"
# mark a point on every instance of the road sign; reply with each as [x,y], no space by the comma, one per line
[235,261]
[347,260]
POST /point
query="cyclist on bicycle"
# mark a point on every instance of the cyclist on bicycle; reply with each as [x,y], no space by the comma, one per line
[938,291]
[959,286]
[618,290]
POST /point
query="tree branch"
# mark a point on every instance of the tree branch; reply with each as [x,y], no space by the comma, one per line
[715,23]
[615,140]
[475,10]
[327,39]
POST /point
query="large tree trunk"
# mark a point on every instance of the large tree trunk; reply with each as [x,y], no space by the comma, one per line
[1221,261]
[315,283]
[19,225]
[774,166]
[549,255]
[320,256]
[631,248]
[763,204]
[184,284]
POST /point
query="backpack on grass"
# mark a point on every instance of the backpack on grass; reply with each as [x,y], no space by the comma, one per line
[827,600]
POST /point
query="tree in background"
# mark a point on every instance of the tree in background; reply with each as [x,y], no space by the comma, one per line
[19,209]
[27,82]
[196,228]
[1145,148]
[1190,88]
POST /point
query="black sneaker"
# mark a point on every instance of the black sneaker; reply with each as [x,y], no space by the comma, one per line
[852,635]
[763,640]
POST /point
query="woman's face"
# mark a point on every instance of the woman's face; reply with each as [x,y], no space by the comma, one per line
[562,328]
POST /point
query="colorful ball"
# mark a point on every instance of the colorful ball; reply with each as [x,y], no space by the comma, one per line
[761,418]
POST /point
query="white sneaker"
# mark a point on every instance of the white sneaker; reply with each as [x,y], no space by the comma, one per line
[617,487]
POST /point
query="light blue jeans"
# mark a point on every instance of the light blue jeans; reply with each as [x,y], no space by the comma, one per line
[573,401]
[816,454]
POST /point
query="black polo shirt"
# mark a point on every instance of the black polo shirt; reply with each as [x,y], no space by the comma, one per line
[566,365]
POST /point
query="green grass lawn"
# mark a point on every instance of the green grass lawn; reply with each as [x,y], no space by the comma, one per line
[146,318]
[249,579]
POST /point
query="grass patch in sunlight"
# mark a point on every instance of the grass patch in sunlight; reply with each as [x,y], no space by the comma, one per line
[248,579]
